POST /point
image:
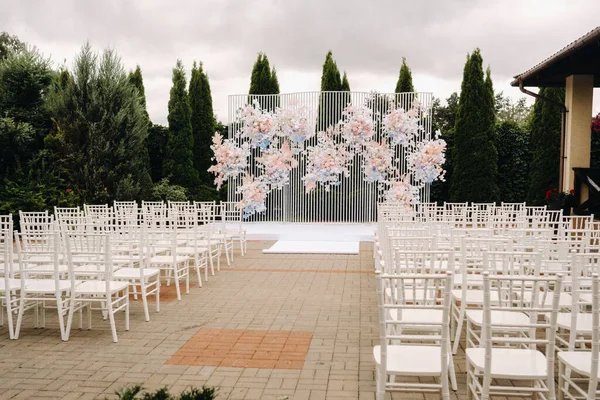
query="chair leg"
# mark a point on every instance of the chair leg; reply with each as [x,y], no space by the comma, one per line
[144,300]
[70,317]
[452,373]
[177,284]
[380,383]
[9,316]
[127,308]
[20,316]
[61,317]
[111,317]
[158,292]
[459,325]
[562,385]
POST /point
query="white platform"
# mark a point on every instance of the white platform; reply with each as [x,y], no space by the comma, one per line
[312,247]
[325,231]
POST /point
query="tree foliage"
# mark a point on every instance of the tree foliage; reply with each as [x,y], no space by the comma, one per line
[203,122]
[475,156]
[331,105]
[10,44]
[545,145]
[405,83]
[509,110]
[444,119]
[157,144]
[100,127]
[179,158]
[264,81]
[512,142]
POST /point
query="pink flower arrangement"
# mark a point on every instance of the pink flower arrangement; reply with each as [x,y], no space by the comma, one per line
[292,123]
[254,194]
[276,165]
[230,158]
[401,192]
[402,126]
[357,126]
[258,126]
[326,161]
[426,162]
[377,161]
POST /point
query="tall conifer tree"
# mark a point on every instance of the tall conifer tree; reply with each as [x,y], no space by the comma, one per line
[179,157]
[203,122]
[475,154]
[545,145]
[330,104]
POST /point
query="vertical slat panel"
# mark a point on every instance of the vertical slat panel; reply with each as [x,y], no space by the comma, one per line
[354,200]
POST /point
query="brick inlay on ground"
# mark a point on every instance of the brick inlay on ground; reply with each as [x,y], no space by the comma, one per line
[244,349]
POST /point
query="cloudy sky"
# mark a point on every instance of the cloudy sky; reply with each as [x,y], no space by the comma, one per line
[368,39]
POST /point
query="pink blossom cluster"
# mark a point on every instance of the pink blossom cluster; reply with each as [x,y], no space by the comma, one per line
[402,126]
[254,194]
[276,165]
[377,161]
[401,192]
[357,126]
[292,123]
[326,161]
[231,159]
[426,162]
[258,126]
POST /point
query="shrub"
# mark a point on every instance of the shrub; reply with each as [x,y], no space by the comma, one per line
[136,392]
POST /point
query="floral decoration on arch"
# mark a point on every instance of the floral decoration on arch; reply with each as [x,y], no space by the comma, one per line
[276,164]
[402,126]
[357,126]
[326,162]
[258,126]
[231,159]
[402,192]
[427,160]
[378,161]
[292,124]
[254,195]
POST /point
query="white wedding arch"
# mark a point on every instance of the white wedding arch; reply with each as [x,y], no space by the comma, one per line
[326,156]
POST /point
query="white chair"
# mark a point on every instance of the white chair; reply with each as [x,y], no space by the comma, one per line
[175,266]
[9,286]
[100,287]
[42,278]
[584,363]
[143,281]
[401,353]
[516,358]
[232,217]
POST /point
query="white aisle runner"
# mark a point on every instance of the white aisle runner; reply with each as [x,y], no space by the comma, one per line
[312,247]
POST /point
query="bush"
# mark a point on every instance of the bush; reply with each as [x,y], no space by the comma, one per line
[135,392]
[203,193]
[164,191]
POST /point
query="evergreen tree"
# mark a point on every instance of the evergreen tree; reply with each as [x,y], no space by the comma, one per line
[405,83]
[330,104]
[100,128]
[136,79]
[203,122]
[157,143]
[545,145]
[264,81]
[444,119]
[9,44]
[345,87]
[179,158]
[475,155]
[512,142]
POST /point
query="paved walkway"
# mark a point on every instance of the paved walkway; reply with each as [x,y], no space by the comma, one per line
[267,327]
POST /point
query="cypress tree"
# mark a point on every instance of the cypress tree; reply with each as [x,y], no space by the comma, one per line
[157,143]
[405,83]
[203,122]
[264,81]
[512,142]
[179,158]
[136,79]
[345,84]
[545,145]
[330,104]
[475,154]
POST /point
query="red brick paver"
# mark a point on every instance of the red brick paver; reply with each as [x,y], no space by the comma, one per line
[244,349]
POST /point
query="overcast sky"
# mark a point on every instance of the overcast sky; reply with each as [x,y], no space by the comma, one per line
[368,39]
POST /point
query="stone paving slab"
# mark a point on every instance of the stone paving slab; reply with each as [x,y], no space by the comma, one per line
[332,298]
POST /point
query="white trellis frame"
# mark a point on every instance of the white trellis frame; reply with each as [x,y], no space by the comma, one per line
[354,200]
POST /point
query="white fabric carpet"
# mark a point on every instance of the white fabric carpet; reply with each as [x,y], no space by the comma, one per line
[312,247]
[325,231]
